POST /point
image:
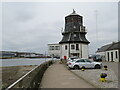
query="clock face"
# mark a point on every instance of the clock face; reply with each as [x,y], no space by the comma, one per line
[75,35]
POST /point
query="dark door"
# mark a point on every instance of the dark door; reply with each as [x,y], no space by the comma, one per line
[75,54]
[112,56]
[108,56]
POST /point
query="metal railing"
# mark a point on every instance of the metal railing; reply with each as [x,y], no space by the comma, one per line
[32,79]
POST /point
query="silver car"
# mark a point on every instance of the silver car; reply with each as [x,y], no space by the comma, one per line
[71,60]
[84,63]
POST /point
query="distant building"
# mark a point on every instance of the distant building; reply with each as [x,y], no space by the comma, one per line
[10,54]
[54,50]
[110,52]
[74,42]
[4,54]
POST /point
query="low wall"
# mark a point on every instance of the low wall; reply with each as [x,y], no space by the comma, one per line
[32,79]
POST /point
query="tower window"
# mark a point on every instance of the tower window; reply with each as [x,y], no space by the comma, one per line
[52,48]
[57,48]
[116,54]
[72,46]
[65,47]
[77,46]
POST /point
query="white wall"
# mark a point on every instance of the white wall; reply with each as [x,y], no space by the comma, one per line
[84,51]
[114,55]
[83,47]
[63,51]
[105,53]
[55,52]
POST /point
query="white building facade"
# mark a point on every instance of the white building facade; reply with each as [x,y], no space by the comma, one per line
[54,50]
[74,50]
[110,52]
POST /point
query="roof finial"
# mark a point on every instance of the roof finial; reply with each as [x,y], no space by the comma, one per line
[73,11]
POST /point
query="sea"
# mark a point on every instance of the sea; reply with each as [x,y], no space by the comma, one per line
[23,61]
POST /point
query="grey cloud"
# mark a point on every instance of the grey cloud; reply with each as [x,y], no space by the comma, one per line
[31,26]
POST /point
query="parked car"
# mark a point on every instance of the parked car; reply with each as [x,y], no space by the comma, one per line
[84,63]
[97,58]
[71,59]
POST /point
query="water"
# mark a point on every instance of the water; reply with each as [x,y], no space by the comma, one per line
[23,61]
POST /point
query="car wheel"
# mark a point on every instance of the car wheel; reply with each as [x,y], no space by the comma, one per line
[76,67]
[97,66]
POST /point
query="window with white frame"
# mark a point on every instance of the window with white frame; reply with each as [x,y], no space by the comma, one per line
[52,47]
[72,47]
[57,47]
[65,47]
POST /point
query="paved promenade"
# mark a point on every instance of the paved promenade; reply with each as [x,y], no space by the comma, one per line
[57,76]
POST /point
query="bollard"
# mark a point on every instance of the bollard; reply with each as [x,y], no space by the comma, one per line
[103,76]
[83,68]
[105,67]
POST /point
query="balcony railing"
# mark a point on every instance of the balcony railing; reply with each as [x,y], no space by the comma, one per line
[83,29]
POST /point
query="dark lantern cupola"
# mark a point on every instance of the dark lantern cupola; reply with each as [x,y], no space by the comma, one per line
[74,31]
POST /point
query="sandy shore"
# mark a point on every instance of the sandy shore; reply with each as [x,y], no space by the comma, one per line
[13,73]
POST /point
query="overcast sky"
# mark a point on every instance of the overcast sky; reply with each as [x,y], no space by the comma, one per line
[29,26]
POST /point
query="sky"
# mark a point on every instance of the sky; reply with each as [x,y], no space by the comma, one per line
[30,26]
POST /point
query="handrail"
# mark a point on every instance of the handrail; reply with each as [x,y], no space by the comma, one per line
[22,77]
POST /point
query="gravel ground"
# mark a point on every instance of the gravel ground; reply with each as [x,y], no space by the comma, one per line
[93,76]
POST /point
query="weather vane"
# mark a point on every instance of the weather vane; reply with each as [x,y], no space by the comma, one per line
[73,11]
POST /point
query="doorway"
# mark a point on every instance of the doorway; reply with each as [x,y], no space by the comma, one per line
[74,55]
[111,56]
[108,56]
